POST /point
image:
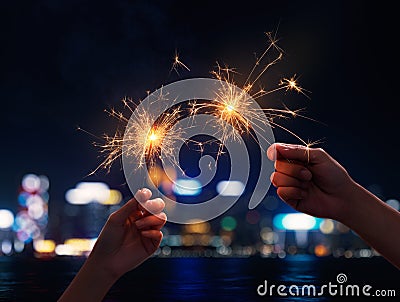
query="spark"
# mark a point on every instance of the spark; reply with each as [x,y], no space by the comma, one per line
[142,140]
[178,63]
[231,107]
[291,84]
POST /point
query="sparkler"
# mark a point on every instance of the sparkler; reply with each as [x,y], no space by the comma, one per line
[231,108]
[144,140]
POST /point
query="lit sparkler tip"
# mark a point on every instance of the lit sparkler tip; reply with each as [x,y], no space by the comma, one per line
[230,108]
[153,137]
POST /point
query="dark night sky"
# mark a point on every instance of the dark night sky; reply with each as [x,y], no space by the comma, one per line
[64,62]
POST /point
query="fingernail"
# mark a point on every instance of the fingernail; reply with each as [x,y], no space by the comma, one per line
[271,153]
[162,216]
[139,195]
[144,190]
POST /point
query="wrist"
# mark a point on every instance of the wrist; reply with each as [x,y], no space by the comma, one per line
[101,272]
[354,204]
[90,284]
[351,203]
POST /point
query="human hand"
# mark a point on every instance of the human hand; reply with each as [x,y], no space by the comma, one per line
[130,235]
[310,180]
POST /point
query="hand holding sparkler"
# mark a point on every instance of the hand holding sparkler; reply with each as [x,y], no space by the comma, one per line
[130,236]
[311,181]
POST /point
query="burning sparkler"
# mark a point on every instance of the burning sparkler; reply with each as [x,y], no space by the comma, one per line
[145,139]
[231,108]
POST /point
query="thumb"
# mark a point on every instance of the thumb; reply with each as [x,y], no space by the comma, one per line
[295,152]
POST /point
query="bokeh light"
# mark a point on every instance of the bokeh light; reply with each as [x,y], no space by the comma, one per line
[197,227]
[19,246]
[321,250]
[31,183]
[75,247]
[327,226]
[253,217]
[187,187]
[44,183]
[295,222]
[228,223]
[6,247]
[44,246]
[6,219]
[114,198]
[87,192]
[230,188]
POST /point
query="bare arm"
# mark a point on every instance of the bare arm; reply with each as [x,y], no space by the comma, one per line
[376,222]
[311,181]
[129,237]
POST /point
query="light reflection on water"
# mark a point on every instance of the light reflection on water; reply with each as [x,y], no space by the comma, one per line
[194,279]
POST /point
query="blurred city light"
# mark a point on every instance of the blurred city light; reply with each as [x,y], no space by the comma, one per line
[252,217]
[327,226]
[268,236]
[227,236]
[66,250]
[199,227]
[18,246]
[31,183]
[6,247]
[31,220]
[187,187]
[114,198]
[321,250]
[75,247]
[296,222]
[44,183]
[228,223]
[6,219]
[44,246]
[230,188]
[87,192]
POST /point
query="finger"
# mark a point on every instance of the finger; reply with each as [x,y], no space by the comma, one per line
[152,222]
[153,206]
[130,207]
[295,152]
[271,152]
[143,195]
[156,235]
[282,180]
[291,193]
[292,169]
